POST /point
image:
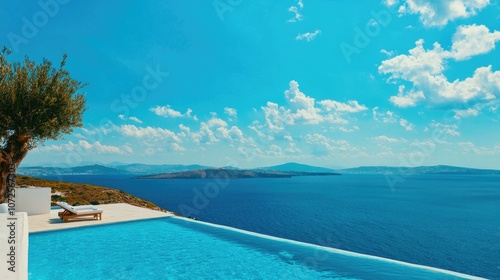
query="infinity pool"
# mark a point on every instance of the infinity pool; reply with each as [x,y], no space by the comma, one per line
[175,248]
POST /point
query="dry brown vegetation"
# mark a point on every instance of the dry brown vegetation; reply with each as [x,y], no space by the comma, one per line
[84,194]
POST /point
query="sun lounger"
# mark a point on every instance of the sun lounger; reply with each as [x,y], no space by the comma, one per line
[78,211]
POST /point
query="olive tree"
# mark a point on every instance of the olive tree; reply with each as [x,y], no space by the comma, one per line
[37,102]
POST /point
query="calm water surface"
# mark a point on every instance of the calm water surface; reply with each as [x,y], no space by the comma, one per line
[446,221]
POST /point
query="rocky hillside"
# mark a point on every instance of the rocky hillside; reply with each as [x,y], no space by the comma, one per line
[83,194]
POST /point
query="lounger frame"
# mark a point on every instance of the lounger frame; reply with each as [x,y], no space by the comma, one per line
[69,213]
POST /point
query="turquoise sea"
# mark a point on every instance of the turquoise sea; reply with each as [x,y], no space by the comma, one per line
[445,221]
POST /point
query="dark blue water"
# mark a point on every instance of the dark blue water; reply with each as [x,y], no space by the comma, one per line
[445,221]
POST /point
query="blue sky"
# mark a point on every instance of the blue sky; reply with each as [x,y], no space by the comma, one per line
[250,83]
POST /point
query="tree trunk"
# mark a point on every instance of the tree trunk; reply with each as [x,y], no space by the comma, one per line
[15,150]
[4,172]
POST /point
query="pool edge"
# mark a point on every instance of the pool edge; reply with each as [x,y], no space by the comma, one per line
[334,250]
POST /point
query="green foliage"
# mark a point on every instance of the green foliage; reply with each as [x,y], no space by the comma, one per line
[56,198]
[38,100]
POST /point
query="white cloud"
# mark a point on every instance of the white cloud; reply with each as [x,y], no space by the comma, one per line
[100,148]
[343,129]
[100,131]
[406,124]
[295,10]
[407,99]
[437,13]
[176,147]
[352,106]
[148,132]
[472,40]
[428,143]
[231,112]
[204,135]
[257,127]
[391,117]
[308,36]
[302,110]
[303,106]
[450,129]
[424,69]
[188,114]
[168,112]
[324,146]
[234,134]
[214,131]
[390,3]
[387,117]
[274,151]
[128,149]
[82,145]
[276,117]
[465,113]
[135,119]
[214,121]
[469,147]
[384,138]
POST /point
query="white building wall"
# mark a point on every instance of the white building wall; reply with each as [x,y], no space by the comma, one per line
[34,201]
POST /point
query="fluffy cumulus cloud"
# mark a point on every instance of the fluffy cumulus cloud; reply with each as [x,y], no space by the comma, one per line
[469,147]
[297,16]
[168,112]
[406,124]
[308,36]
[437,13]
[213,131]
[385,138]
[351,106]
[155,133]
[83,146]
[424,69]
[386,117]
[322,145]
[231,112]
[134,119]
[449,129]
[391,117]
[472,40]
[407,99]
[302,109]
[390,3]
[465,113]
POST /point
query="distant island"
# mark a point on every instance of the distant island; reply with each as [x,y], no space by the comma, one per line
[403,170]
[226,173]
[278,171]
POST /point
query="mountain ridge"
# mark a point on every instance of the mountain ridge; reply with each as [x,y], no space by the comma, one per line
[434,169]
[135,169]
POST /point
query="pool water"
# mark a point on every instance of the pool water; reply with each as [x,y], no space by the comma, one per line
[175,248]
